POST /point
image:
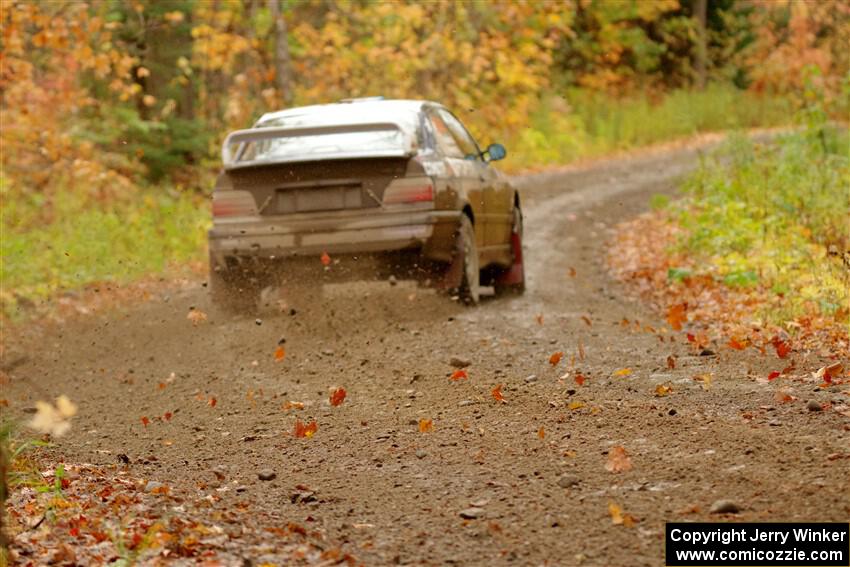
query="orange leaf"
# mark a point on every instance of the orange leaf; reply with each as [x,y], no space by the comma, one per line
[161,386]
[337,396]
[618,460]
[736,344]
[459,375]
[279,353]
[539,318]
[145,421]
[571,272]
[196,317]
[541,432]
[307,431]
[326,260]
[292,405]
[580,379]
[676,316]
[576,405]
[782,397]
[426,425]
[705,380]
[623,372]
[662,390]
[497,393]
[556,358]
[212,402]
[618,518]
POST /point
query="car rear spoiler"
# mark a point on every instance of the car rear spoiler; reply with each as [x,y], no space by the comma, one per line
[236,142]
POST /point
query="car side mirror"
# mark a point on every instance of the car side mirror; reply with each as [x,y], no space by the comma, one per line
[495,152]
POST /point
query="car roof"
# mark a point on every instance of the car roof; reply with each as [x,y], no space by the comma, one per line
[405,113]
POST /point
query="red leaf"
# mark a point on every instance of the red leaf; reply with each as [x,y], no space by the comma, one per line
[580,379]
[676,316]
[497,393]
[337,396]
[556,358]
[773,375]
[145,421]
[308,430]
[782,349]
[212,402]
[326,260]
[736,344]
[167,416]
[459,375]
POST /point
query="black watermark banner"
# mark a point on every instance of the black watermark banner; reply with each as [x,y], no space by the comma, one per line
[744,544]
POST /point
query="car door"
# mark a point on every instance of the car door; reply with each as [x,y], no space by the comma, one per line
[466,176]
[493,191]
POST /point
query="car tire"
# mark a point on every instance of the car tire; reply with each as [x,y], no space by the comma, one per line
[466,254]
[232,293]
[512,279]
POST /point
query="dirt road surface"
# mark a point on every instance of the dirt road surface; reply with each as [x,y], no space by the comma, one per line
[533,468]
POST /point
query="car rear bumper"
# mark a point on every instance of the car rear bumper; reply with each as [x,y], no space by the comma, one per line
[335,233]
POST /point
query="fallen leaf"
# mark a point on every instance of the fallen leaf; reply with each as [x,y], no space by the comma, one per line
[580,350]
[292,405]
[539,318]
[571,272]
[576,405]
[426,425]
[618,518]
[196,316]
[773,375]
[161,385]
[326,259]
[623,372]
[662,390]
[556,358]
[167,416]
[497,393]
[618,460]
[337,396]
[736,344]
[212,402]
[704,380]
[782,397]
[307,431]
[459,375]
[587,320]
[676,316]
[279,353]
[580,379]
[541,433]
[671,362]
[145,421]
[782,347]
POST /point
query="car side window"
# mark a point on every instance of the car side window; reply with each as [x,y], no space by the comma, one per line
[445,140]
[463,138]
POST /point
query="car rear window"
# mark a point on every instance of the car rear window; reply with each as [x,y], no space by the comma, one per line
[323,145]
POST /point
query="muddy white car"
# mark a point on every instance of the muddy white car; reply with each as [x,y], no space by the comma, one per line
[364,188]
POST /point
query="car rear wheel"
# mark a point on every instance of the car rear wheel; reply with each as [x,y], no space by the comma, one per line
[467,256]
[512,279]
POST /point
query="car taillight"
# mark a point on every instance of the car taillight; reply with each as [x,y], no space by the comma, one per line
[409,190]
[233,204]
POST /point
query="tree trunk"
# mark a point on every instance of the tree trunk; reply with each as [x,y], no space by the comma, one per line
[700,9]
[282,65]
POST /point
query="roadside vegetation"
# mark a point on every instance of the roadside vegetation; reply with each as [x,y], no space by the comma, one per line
[758,251]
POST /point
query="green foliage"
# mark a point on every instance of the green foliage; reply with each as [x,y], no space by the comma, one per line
[776,214]
[584,123]
[86,244]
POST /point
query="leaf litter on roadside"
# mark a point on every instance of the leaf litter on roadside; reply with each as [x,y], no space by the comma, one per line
[618,460]
[620,518]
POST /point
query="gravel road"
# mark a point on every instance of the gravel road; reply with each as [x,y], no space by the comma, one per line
[521,482]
